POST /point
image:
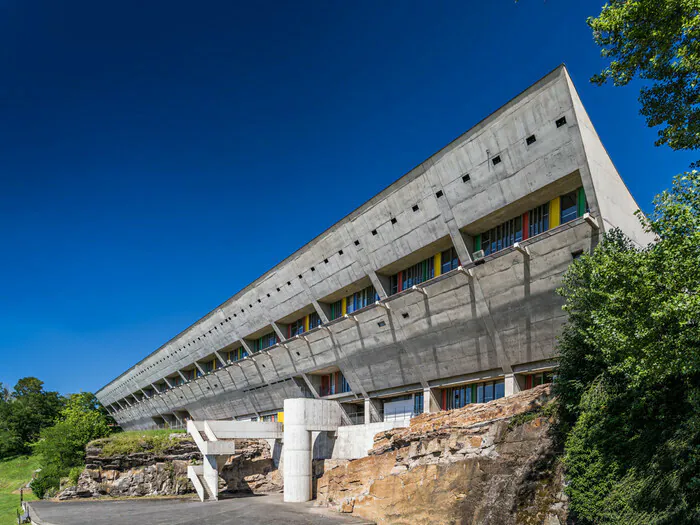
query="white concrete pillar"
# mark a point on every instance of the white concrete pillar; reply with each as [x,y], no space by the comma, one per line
[297,461]
[368,411]
[210,472]
[511,385]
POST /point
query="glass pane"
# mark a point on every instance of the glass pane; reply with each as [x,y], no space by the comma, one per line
[500,390]
[488,392]
[480,393]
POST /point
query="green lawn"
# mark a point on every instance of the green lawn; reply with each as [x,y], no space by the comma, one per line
[14,473]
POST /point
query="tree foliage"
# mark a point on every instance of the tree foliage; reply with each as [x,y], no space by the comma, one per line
[23,413]
[659,42]
[630,371]
[62,446]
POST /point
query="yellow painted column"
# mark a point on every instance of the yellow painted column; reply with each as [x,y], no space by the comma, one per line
[306,323]
[344,306]
[554,212]
[437,263]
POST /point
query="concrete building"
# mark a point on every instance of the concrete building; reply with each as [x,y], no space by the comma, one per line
[437,292]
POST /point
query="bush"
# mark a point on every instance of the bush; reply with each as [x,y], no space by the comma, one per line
[45,482]
[73,475]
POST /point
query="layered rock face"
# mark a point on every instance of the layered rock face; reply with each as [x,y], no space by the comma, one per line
[164,473]
[486,463]
[252,470]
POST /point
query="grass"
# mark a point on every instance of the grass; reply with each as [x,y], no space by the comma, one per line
[14,473]
[156,441]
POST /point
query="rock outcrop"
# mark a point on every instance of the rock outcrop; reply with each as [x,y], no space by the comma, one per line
[487,463]
[163,472]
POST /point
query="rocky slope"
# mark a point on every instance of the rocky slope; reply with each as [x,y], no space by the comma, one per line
[163,472]
[488,463]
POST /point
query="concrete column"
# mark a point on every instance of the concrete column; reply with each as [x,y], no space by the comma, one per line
[302,417]
[511,385]
[297,458]
[430,401]
[368,413]
[211,466]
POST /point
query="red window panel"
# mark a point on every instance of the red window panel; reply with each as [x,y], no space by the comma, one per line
[526,225]
[528,382]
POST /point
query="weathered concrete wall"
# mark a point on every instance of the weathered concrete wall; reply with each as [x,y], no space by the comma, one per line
[505,316]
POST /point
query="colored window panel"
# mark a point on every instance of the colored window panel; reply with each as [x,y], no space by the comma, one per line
[337,309]
[569,207]
[502,236]
[296,328]
[314,320]
[538,220]
[449,260]
[554,213]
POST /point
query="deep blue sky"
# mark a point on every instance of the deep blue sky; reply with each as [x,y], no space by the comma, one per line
[156,157]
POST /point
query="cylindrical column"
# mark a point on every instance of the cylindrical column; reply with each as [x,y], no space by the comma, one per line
[297,452]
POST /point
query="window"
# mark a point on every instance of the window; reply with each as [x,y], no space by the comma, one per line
[336,309]
[237,354]
[265,341]
[541,378]
[361,299]
[569,207]
[448,260]
[416,274]
[460,396]
[334,384]
[314,320]
[538,220]
[466,178]
[531,140]
[269,418]
[502,236]
[295,328]
[210,366]
[496,160]
[561,121]
[418,403]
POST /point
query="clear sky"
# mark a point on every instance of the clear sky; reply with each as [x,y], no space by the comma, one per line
[156,157]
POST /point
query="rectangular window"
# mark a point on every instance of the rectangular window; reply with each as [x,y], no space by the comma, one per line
[538,220]
[265,341]
[569,207]
[449,260]
[460,396]
[270,418]
[416,274]
[362,299]
[502,236]
[336,309]
[314,320]
[296,328]
[541,378]
[418,403]
[334,383]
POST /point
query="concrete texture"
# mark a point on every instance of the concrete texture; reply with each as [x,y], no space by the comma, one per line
[302,417]
[255,510]
[491,319]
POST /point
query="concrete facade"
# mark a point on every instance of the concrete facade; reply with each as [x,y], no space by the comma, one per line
[494,318]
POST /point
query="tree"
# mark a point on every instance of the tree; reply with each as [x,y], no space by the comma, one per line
[62,446]
[659,42]
[629,381]
[27,410]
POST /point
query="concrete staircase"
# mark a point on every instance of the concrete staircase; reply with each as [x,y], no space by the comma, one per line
[216,442]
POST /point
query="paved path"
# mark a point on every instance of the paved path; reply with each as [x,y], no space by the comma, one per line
[254,510]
